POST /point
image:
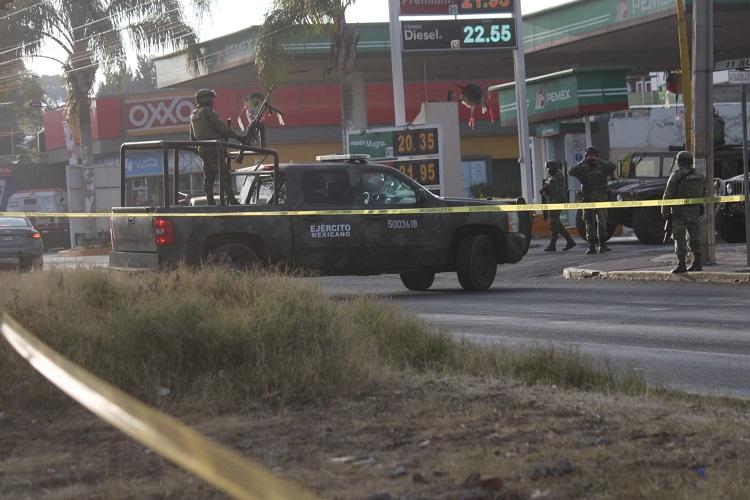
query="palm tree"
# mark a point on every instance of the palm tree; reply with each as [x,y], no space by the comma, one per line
[287,20]
[95,34]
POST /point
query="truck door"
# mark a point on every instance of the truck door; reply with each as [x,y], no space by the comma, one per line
[329,243]
[397,241]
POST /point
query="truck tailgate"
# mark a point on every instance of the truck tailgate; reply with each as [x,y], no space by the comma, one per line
[130,233]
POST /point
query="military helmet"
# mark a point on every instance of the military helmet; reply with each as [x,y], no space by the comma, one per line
[684,159]
[592,150]
[204,95]
[552,165]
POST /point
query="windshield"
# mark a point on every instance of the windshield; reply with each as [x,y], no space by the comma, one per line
[14,222]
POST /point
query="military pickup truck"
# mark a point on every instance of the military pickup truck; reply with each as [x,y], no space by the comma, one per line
[643,176]
[323,234]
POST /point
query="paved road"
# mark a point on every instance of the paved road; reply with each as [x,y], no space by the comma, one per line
[691,336]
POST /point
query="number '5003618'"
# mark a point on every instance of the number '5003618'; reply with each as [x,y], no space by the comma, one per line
[402,224]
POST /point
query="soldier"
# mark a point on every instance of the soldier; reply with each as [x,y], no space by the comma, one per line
[593,173]
[205,124]
[685,183]
[554,192]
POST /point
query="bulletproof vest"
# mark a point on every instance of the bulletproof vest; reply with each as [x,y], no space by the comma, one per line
[201,124]
[596,181]
[691,186]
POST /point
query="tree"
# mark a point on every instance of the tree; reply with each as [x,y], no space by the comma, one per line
[94,34]
[127,81]
[20,113]
[287,21]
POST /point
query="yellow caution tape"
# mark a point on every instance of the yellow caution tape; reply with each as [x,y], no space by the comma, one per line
[390,211]
[223,468]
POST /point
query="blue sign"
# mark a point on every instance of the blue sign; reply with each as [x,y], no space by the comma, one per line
[149,164]
[579,157]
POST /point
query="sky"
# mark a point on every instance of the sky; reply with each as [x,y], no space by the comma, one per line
[233,15]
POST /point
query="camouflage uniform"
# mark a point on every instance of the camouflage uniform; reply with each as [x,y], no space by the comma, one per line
[554,192]
[686,182]
[205,124]
[593,173]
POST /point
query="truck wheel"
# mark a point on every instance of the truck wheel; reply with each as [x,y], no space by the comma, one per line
[234,256]
[476,262]
[648,225]
[418,281]
[730,229]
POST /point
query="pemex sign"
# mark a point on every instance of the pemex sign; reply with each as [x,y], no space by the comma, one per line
[566,94]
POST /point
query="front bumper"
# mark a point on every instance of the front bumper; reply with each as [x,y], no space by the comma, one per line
[515,248]
[134,260]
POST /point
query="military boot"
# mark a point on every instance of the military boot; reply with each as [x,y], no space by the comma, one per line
[697,264]
[591,250]
[552,243]
[570,243]
[681,268]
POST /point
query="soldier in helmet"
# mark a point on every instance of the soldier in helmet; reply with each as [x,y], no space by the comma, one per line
[554,192]
[205,124]
[685,182]
[593,173]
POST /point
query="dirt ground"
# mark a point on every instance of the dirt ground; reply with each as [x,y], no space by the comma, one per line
[446,439]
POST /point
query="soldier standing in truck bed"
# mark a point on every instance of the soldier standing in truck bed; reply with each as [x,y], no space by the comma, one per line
[554,192]
[205,124]
[685,182]
[593,173]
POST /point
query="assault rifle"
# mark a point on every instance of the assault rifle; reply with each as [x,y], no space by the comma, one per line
[667,229]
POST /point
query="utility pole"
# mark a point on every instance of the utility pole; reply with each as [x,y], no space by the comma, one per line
[685,74]
[397,67]
[703,65]
[522,112]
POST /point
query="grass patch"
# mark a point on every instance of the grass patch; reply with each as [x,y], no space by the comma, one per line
[214,335]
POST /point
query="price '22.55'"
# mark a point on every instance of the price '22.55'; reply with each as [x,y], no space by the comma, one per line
[477,34]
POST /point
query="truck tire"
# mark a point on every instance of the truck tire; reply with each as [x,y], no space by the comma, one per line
[234,256]
[476,262]
[581,227]
[418,281]
[730,229]
[648,225]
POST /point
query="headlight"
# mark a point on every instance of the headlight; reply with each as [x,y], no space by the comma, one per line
[729,188]
[513,222]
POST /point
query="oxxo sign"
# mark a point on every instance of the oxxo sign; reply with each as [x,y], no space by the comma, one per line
[158,114]
[460,33]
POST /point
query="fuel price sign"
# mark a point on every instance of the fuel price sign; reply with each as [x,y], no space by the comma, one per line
[498,33]
[455,7]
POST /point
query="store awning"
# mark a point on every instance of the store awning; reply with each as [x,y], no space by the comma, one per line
[568,94]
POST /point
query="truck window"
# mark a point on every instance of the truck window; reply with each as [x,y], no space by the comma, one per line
[648,166]
[382,189]
[327,188]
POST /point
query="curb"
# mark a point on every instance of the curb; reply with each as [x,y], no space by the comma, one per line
[572,273]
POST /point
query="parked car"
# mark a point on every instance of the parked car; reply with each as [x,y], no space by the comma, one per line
[55,230]
[21,245]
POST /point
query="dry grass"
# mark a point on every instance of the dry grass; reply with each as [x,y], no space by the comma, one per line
[215,335]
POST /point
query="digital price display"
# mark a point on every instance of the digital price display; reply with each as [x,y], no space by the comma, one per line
[456,7]
[485,6]
[416,142]
[425,172]
[458,34]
